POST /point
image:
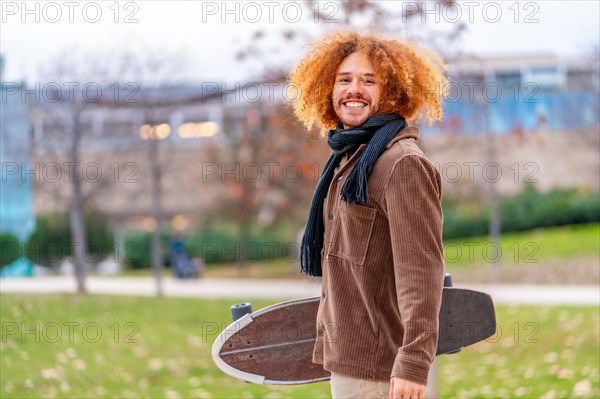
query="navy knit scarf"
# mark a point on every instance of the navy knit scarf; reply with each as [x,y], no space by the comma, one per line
[377,132]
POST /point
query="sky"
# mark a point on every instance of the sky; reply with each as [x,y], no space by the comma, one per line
[208,34]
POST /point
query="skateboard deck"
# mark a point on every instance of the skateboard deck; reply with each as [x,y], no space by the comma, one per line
[274,345]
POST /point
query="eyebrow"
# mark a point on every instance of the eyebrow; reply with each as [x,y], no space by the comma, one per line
[364,74]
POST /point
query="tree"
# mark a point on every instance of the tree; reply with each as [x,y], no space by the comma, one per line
[255,168]
[154,73]
[65,117]
[82,88]
[275,49]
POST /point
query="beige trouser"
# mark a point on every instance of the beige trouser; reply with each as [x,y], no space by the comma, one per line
[343,387]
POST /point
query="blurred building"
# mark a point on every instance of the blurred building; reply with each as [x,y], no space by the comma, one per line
[168,128]
[115,142]
[16,201]
[505,94]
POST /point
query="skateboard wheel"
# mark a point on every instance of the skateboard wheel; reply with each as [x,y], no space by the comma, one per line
[448,280]
[240,309]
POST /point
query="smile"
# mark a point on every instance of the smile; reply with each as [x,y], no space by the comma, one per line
[355,104]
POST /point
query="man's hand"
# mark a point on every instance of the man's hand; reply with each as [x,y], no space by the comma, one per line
[403,389]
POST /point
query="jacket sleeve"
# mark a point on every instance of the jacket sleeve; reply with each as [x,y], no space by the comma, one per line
[413,204]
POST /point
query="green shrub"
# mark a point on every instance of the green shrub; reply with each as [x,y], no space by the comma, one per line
[52,241]
[527,210]
[10,248]
[220,245]
[99,235]
[464,221]
[531,209]
[138,250]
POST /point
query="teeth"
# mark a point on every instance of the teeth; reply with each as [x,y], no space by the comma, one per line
[355,104]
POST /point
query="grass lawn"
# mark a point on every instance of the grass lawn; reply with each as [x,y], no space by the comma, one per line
[116,347]
[526,248]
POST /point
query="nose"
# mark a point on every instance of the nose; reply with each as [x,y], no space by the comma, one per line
[355,87]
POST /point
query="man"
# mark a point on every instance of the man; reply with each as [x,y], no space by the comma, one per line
[374,230]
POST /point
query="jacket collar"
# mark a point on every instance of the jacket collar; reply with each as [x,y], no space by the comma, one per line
[410,132]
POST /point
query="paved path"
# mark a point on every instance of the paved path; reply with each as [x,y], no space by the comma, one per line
[280,289]
[145,286]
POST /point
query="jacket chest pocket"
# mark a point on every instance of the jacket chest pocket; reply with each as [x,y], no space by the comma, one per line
[354,233]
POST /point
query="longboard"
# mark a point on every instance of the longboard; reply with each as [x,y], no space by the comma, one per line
[274,345]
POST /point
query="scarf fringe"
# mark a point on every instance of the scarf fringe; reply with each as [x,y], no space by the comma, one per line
[310,260]
[355,189]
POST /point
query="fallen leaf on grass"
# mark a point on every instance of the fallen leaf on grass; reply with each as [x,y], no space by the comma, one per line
[155,364]
[551,357]
[49,374]
[172,394]
[79,364]
[582,388]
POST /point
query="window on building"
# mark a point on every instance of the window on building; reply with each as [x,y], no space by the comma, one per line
[547,78]
[508,79]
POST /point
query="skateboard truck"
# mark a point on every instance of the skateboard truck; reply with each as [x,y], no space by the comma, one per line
[448,280]
[239,310]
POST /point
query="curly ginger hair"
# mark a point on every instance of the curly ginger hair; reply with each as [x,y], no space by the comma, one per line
[411,77]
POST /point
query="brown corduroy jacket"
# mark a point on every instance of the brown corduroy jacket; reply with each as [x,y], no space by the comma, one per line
[383,269]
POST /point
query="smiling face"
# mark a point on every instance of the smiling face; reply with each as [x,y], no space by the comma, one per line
[357,91]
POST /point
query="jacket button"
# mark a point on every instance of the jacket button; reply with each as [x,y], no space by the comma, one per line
[323,295]
[321,333]
[340,177]
[331,216]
